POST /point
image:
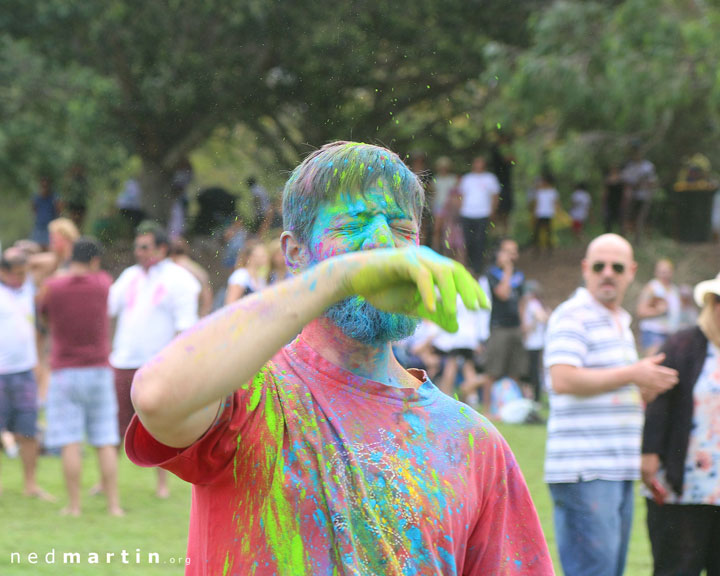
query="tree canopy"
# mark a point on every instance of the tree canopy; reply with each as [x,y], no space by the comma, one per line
[101,81]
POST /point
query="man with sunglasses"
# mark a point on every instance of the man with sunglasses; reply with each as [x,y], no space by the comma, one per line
[597,387]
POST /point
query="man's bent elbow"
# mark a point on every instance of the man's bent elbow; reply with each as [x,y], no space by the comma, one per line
[146,398]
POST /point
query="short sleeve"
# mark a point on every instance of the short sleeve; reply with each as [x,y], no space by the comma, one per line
[566,341]
[239,277]
[215,449]
[507,537]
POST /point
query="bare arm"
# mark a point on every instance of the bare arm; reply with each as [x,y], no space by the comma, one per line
[647,374]
[177,395]
[649,305]
[234,293]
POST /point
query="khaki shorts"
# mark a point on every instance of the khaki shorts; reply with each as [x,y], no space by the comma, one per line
[506,354]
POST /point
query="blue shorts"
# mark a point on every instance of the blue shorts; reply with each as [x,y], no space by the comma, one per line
[18,403]
[80,402]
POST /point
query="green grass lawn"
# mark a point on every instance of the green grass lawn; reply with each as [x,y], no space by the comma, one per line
[160,527]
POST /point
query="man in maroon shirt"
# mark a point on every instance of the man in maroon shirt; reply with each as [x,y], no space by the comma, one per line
[81,399]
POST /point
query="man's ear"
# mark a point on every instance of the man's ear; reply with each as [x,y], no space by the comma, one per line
[297,257]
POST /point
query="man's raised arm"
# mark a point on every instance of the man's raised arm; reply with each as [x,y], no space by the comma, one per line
[177,394]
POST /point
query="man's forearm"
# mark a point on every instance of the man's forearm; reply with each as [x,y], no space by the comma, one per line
[177,394]
[589,381]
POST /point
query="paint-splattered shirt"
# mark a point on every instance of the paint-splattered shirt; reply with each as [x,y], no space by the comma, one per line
[312,470]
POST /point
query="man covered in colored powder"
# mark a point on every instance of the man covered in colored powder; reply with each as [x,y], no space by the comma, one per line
[324,456]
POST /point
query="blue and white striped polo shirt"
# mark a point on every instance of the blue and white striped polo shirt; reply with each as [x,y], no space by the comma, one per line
[592,437]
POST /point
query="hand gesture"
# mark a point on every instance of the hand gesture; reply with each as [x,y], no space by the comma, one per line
[652,378]
[404,280]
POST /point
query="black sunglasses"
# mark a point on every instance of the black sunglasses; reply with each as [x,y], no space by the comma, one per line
[617,267]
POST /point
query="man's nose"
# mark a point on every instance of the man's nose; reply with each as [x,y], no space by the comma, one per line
[379,235]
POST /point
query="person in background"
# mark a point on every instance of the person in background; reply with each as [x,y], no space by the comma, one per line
[77,194]
[47,206]
[596,386]
[640,182]
[547,200]
[444,182]
[506,354]
[45,265]
[658,308]
[681,449]
[479,190]
[613,201]
[153,301]
[688,309]
[580,204]
[278,268]
[18,359]
[502,164]
[180,182]
[534,316]
[129,203]
[251,271]
[178,253]
[81,399]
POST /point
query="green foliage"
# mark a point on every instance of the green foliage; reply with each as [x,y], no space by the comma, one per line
[160,78]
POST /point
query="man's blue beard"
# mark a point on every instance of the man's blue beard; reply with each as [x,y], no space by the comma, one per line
[363,322]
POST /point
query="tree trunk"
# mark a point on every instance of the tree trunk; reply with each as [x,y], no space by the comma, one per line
[157,196]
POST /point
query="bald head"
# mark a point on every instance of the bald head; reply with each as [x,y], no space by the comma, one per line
[613,242]
[608,269]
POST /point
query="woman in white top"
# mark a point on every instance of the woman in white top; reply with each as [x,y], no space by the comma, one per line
[659,308]
[546,200]
[251,271]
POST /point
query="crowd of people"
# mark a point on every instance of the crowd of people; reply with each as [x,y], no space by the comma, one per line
[615,415]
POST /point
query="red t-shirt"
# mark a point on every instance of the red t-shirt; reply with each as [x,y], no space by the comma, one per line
[312,470]
[76,309]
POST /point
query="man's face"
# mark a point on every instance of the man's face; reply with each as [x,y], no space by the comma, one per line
[608,270]
[147,252]
[508,253]
[478,164]
[352,223]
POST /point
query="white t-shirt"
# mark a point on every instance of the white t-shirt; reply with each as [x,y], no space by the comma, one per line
[477,191]
[581,201]
[151,308]
[640,177]
[18,351]
[241,277]
[545,200]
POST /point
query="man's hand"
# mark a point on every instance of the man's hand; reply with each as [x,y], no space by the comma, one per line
[652,378]
[403,281]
